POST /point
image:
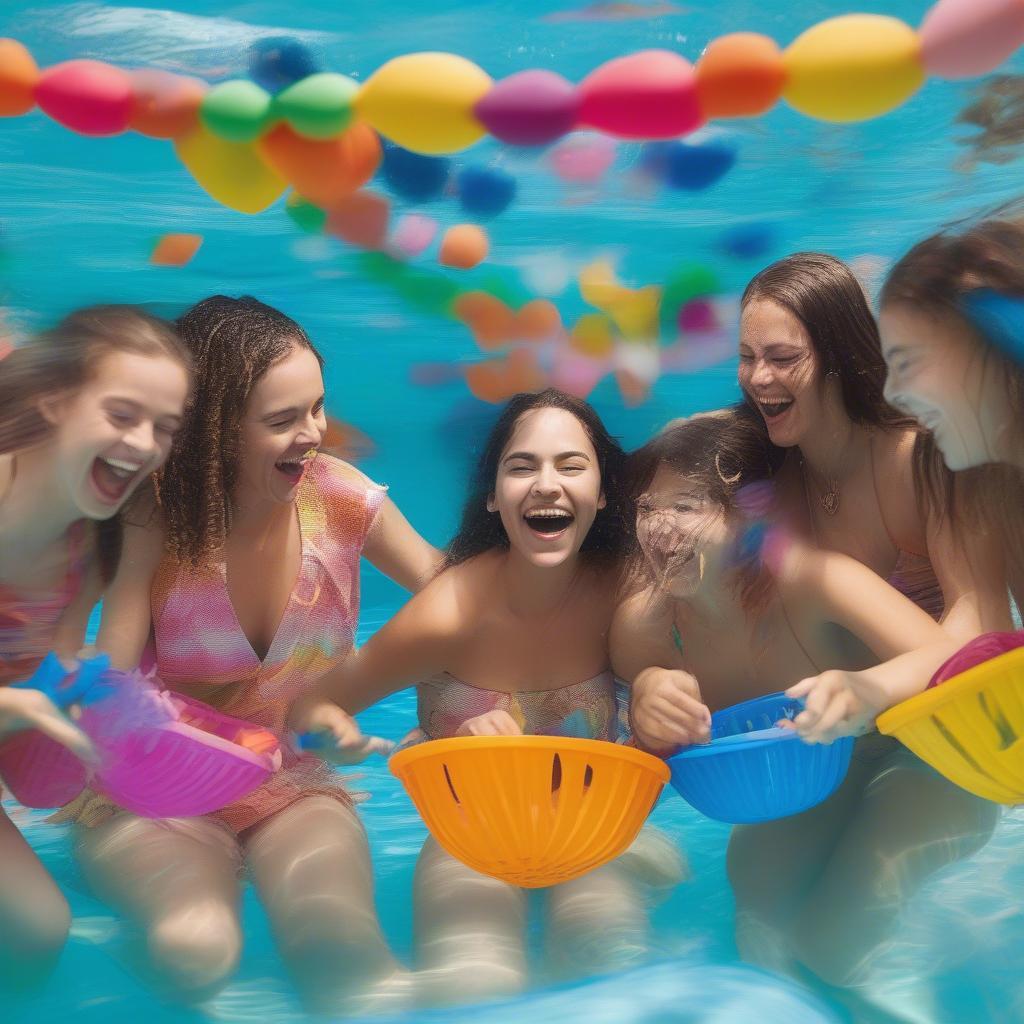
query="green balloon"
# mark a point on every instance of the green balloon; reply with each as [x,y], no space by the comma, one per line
[318,107]
[694,281]
[308,217]
[433,293]
[236,111]
[378,266]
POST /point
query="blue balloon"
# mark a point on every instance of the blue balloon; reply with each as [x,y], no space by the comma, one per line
[748,241]
[413,176]
[484,192]
[279,62]
[697,167]
[685,165]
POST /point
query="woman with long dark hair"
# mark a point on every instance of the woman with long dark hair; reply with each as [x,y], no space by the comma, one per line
[721,617]
[510,638]
[859,476]
[243,583]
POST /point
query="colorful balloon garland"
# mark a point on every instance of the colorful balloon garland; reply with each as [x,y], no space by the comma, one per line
[243,142]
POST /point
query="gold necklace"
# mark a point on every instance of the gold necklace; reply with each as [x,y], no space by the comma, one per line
[829,500]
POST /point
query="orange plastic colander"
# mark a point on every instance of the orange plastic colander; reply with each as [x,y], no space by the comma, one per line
[531,810]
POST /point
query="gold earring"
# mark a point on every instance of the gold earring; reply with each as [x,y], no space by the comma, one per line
[700,565]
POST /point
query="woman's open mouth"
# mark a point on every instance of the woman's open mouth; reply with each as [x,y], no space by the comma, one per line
[549,523]
[113,478]
[293,470]
[773,408]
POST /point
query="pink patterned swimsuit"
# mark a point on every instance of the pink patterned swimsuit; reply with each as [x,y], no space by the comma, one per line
[200,647]
[29,619]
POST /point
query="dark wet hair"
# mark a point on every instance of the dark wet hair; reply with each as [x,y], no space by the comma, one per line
[612,534]
[825,296]
[233,342]
[63,359]
[721,452]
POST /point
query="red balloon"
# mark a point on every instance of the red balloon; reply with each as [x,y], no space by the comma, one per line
[88,97]
[647,95]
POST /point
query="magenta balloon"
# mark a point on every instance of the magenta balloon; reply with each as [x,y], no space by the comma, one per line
[647,95]
[86,96]
[530,108]
[968,38]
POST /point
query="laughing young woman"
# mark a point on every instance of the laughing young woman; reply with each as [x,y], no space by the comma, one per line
[853,479]
[246,579]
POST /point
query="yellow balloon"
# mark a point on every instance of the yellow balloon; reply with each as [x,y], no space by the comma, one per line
[425,101]
[232,172]
[853,67]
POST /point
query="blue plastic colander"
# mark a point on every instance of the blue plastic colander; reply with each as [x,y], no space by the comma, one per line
[754,771]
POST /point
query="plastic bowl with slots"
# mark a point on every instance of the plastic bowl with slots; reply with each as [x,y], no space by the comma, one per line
[752,770]
[970,728]
[531,810]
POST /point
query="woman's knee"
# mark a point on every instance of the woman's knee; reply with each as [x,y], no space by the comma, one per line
[197,948]
[36,930]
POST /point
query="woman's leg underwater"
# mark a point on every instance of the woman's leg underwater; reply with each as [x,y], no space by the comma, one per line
[470,931]
[34,915]
[180,886]
[311,865]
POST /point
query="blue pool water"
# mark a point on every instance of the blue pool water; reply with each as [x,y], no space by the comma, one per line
[78,219]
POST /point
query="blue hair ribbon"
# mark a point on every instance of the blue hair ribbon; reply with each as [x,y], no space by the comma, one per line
[999,317]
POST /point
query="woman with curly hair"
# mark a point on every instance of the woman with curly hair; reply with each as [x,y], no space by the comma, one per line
[511,638]
[244,582]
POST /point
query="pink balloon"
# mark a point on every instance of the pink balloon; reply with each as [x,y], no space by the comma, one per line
[647,95]
[582,158]
[86,96]
[968,38]
[530,108]
[697,316]
[413,233]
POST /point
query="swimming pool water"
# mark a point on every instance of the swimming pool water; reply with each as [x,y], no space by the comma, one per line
[79,217]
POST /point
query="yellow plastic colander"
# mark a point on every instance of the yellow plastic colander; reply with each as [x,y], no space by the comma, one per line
[970,728]
[531,810]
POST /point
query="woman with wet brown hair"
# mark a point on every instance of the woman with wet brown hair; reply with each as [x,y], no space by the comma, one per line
[859,476]
[719,619]
[244,583]
[952,326]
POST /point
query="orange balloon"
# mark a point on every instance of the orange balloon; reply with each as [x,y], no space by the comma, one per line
[175,250]
[492,322]
[740,75]
[166,105]
[360,219]
[634,391]
[538,320]
[18,76]
[323,171]
[497,380]
[463,246]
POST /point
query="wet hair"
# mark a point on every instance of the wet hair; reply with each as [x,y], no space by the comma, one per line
[612,534]
[932,279]
[63,359]
[719,452]
[234,342]
[825,296]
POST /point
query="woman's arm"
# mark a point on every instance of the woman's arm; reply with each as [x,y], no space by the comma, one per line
[398,551]
[413,645]
[127,617]
[832,587]
[665,706]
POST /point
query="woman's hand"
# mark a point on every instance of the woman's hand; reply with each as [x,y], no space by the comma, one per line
[492,723]
[331,733]
[22,709]
[666,711]
[837,703]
